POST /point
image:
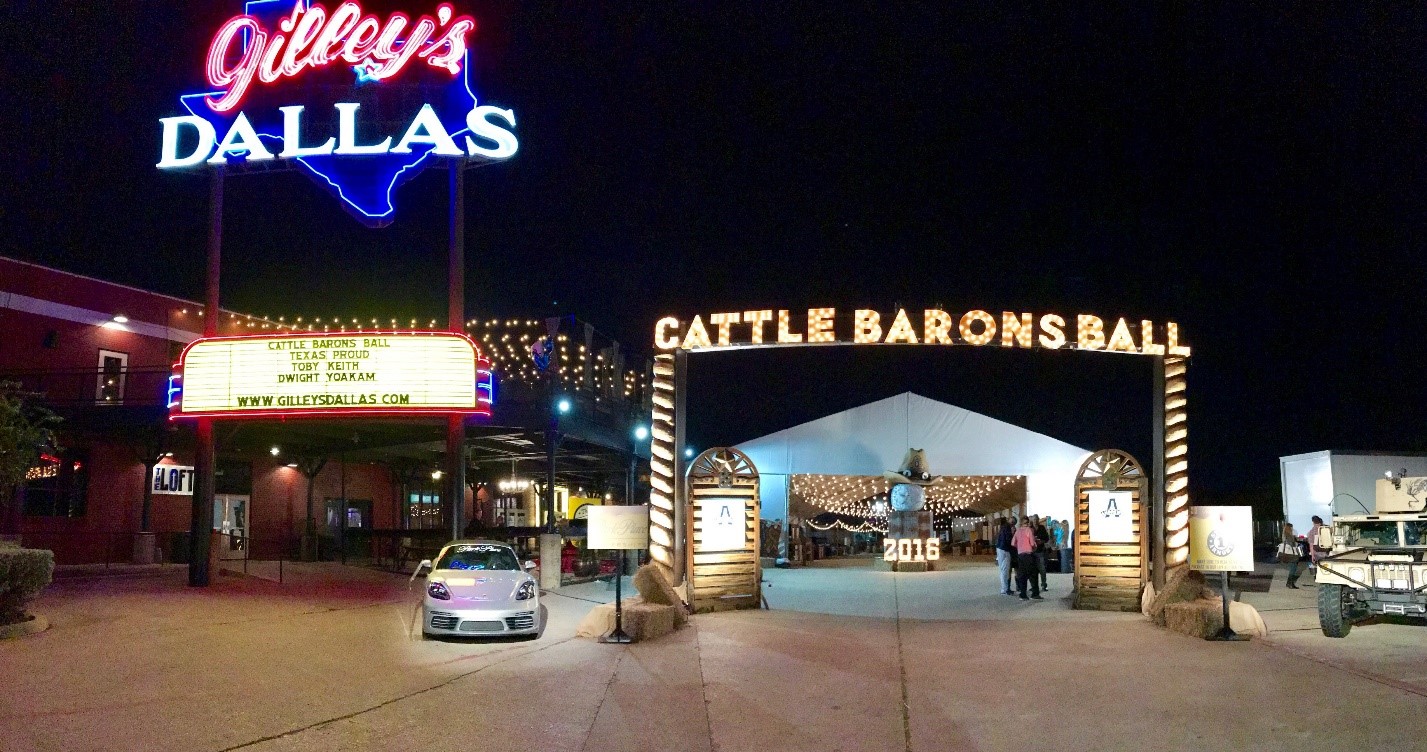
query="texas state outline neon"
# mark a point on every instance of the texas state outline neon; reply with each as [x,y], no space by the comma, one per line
[396,178]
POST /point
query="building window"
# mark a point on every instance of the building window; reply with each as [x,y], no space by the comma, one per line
[58,486]
[423,510]
[110,387]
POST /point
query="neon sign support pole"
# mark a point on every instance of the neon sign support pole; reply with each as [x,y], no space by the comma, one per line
[205,461]
[455,322]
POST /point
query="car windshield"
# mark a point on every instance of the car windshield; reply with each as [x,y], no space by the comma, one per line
[1370,533]
[1415,532]
[482,556]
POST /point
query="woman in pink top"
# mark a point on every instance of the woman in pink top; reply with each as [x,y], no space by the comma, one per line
[1024,541]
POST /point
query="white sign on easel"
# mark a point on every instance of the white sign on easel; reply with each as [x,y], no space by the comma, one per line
[614,528]
[1111,517]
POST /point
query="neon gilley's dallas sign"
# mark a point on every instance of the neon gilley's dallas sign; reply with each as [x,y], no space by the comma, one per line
[356,99]
[934,327]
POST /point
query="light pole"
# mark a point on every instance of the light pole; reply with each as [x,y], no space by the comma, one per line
[562,406]
[641,435]
[618,636]
[550,540]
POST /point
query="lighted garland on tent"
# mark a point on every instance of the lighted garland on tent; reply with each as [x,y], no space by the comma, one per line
[858,503]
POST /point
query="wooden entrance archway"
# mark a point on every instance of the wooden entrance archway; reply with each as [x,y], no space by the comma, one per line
[1166,479]
[1112,540]
[722,532]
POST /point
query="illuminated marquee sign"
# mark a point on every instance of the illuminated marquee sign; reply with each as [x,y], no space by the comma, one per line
[934,327]
[360,101]
[352,373]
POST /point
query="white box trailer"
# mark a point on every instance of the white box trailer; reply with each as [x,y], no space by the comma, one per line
[1321,482]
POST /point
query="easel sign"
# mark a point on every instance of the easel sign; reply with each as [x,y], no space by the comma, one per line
[615,528]
[618,529]
[1221,539]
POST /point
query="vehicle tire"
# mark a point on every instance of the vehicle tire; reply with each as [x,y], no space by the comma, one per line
[1333,611]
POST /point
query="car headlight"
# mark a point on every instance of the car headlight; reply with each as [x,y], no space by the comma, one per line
[525,592]
[438,591]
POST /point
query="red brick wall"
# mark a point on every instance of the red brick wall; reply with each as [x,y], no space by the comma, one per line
[102,534]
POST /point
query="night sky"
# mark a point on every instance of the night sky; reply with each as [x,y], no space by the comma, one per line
[1253,171]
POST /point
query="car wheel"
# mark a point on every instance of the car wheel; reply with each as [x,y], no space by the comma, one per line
[1333,610]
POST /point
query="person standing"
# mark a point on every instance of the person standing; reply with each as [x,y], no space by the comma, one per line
[1042,544]
[1067,547]
[1004,553]
[1314,552]
[1290,552]
[1024,542]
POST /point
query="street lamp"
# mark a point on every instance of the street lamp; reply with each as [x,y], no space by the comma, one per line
[563,405]
[688,452]
[641,432]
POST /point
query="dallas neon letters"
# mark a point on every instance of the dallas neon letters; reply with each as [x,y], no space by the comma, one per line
[495,141]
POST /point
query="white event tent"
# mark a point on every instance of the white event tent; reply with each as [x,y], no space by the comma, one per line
[873,438]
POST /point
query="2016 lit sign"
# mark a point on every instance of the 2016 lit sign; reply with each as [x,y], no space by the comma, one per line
[294,81]
[911,549]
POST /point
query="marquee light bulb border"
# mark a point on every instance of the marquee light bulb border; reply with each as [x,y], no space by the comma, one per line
[484,375]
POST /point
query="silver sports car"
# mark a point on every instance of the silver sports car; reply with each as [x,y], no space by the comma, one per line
[479,588]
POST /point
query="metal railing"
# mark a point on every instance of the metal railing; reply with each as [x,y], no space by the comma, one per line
[73,387]
[102,548]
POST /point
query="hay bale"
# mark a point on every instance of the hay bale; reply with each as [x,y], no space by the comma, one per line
[646,621]
[1198,618]
[1184,585]
[641,620]
[1204,617]
[653,587]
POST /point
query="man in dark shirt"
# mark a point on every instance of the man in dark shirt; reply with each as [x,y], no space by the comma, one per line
[1042,542]
[1005,554]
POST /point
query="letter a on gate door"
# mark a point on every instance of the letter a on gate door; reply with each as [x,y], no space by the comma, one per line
[1112,507]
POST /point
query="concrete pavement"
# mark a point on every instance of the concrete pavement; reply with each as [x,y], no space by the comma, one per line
[849,659]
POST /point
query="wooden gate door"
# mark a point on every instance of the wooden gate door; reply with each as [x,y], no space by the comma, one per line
[1111,532]
[723,530]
